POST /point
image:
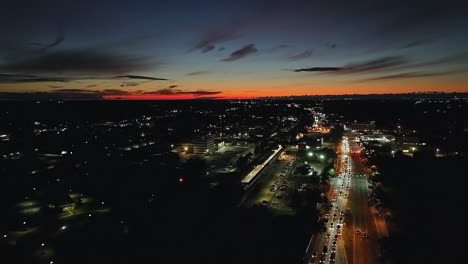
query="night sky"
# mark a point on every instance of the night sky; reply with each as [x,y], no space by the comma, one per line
[230,49]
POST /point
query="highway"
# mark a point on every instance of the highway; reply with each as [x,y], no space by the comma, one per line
[357,237]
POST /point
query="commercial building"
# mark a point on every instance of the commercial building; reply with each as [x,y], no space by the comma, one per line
[204,144]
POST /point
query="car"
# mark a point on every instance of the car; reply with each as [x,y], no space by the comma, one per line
[334,244]
[331,225]
[328,235]
[325,250]
[327,215]
[358,232]
[333,250]
[313,257]
[334,216]
[346,196]
[332,257]
[336,237]
[340,220]
[338,226]
[341,213]
[365,236]
[322,259]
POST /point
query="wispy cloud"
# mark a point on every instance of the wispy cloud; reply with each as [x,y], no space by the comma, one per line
[414,44]
[209,41]
[241,53]
[195,73]
[301,56]
[330,45]
[208,48]
[409,75]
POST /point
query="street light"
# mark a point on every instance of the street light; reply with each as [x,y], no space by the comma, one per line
[310,154]
[322,156]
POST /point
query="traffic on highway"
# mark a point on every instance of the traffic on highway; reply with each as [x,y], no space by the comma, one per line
[347,216]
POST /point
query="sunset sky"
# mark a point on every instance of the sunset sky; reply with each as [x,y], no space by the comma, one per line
[230,49]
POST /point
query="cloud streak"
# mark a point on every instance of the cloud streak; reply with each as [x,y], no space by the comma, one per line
[319,69]
[383,63]
[241,53]
[140,77]
[168,91]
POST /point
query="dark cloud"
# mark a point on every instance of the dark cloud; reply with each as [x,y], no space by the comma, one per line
[140,77]
[63,94]
[91,85]
[301,56]
[221,48]
[55,86]
[67,90]
[129,84]
[21,78]
[50,96]
[167,91]
[197,73]
[208,48]
[318,69]
[172,86]
[211,39]
[241,53]
[77,61]
[383,63]
[112,92]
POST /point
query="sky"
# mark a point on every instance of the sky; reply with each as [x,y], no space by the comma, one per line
[230,49]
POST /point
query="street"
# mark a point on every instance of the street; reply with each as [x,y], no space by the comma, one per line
[353,228]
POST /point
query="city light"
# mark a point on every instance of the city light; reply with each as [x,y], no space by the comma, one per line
[310,154]
[322,156]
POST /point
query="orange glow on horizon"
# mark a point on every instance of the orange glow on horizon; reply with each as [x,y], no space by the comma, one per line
[174,97]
